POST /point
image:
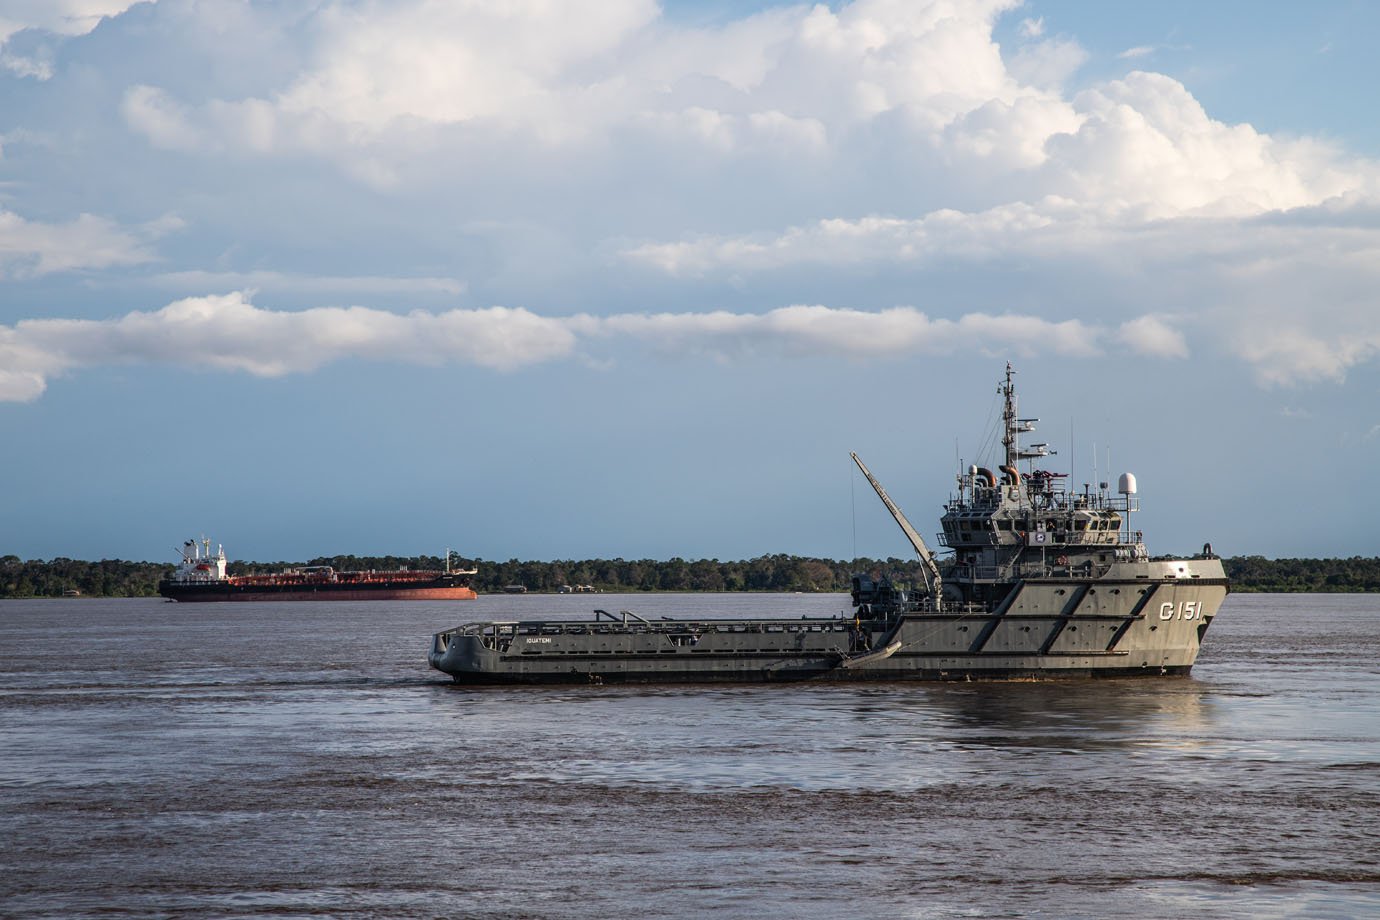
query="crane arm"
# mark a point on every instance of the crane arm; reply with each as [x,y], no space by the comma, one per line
[931,569]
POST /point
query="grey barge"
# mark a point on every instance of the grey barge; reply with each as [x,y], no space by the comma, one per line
[1044,581]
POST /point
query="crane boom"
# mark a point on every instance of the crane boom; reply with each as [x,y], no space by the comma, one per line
[933,581]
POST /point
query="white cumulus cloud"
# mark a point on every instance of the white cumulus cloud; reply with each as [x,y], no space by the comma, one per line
[1152,335]
[59,17]
[840,242]
[1285,356]
[63,17]
[885,142]
[820,330]
[229,333]
[384,76]
[32,248]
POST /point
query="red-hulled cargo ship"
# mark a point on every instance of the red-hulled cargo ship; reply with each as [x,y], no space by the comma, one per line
[202,577]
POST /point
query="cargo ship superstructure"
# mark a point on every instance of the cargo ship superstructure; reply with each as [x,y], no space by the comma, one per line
[1043,581]
[202,576]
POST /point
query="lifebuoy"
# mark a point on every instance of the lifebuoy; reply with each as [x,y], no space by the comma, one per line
[1062,560]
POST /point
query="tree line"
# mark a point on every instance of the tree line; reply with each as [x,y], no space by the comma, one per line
[120,578]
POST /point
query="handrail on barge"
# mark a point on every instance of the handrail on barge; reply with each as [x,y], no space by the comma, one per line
[624,616]
[494,633]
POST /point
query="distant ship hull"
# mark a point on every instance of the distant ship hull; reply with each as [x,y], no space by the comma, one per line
[222,593]
[263,588]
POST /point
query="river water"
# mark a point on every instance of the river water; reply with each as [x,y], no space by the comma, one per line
[301,760]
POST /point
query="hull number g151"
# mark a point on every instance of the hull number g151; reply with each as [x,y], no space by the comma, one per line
[1184,610]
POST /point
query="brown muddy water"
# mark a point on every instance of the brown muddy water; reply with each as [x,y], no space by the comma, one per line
[301,760]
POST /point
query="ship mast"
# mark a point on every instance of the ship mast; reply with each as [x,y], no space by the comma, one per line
[1014,427]
[1011,438]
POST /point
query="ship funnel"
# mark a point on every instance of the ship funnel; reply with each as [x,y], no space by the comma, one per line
[1126,484]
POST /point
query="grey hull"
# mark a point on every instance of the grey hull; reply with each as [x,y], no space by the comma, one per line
[1051,629]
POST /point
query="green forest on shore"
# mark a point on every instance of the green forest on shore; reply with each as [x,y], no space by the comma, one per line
[119,578]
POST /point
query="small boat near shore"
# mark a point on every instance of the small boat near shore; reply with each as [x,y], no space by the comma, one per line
[1044,580]
[201,576]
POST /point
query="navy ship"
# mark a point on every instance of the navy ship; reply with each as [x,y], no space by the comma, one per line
[1044,581]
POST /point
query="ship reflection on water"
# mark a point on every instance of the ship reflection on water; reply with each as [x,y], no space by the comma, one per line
[1078,716]
[898,736]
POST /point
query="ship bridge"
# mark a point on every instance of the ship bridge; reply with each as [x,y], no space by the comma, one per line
[1026,522]
[1039,514]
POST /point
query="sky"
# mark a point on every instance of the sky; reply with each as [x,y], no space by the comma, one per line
[554,281]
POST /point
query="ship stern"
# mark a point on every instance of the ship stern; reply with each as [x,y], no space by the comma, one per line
[460,654]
